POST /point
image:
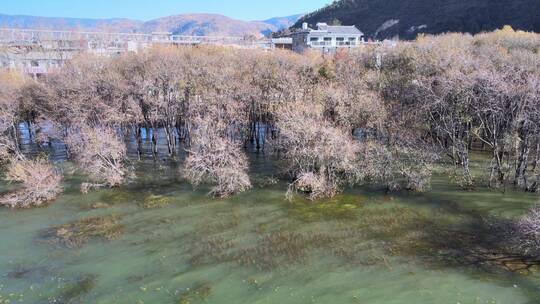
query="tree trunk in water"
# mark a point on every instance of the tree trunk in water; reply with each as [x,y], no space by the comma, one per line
[171,140]
[520,180]
[16,138]
[30,128]
[468,179]
[534,186]
[257,137]
[154,143]
[138,137]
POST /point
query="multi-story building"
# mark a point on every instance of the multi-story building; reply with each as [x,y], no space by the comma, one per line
[326,37]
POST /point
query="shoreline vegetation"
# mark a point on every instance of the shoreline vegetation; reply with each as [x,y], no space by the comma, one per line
[383,115]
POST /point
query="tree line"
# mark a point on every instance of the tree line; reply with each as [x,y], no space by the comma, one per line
[380,114]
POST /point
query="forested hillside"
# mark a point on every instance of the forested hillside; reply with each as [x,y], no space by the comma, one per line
[381,19]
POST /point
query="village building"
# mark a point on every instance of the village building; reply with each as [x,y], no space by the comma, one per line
[327,38]
[283,43]
[38,58]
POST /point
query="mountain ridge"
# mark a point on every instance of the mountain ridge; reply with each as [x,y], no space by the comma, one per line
[183,24]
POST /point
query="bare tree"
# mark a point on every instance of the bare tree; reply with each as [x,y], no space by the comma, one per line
[529,230]
[374,115]
[100,153]
[319,156]
[41,183]
[216,159]
[398,166]
[10,84]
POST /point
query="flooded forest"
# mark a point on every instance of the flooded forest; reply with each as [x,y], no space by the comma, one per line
[403,172]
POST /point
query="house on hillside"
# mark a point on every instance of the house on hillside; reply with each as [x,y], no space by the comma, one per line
[327,38]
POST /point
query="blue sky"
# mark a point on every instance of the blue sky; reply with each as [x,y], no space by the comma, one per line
[150,9]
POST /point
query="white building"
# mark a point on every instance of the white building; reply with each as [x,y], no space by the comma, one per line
[38,58]
[326,37]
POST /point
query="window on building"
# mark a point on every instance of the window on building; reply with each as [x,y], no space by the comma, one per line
[352,39]
[314,39]
[328,39]
[340,39]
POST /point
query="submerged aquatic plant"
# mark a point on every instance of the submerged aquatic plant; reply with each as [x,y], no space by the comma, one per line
[210,250]
[75,290]
[272,250]
[200,291]
[100,205]
[156,201]
[323,210]
[118,196]
[80,232]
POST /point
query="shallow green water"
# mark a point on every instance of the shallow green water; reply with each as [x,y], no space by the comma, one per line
[170,244]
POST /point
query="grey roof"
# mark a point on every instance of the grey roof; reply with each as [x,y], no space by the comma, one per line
[346,30]
[286,40]
[332,29]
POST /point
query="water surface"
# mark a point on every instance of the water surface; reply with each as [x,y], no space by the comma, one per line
[157,240]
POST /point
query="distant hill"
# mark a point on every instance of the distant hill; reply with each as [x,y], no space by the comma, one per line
[188,24]
[383,19]
[33,22]
[215,25]
[283,22]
